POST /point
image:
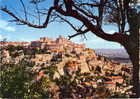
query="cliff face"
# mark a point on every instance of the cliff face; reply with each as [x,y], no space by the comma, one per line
[70,59]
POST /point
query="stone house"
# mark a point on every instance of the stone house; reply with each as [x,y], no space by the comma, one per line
[110,85]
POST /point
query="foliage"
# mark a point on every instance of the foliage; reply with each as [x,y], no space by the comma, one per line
[13,48]
[16,82]
[13,79]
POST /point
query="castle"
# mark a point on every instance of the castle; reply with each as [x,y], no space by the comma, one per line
[46,43]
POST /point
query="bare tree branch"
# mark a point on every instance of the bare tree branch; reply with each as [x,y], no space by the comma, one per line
[28,23]
[116,37]
[36,4]
[25,12]
[95,29]
[79,33]
[89,4]
[87,14]
[48,15]
[68,22]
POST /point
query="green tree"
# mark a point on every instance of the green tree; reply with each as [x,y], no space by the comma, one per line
[13,80]
[16,82]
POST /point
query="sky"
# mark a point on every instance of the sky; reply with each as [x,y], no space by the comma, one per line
[14,32]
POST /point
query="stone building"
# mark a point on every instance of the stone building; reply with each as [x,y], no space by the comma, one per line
[24,44]
[58,44]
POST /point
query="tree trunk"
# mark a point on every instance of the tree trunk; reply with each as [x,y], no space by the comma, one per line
[134,56]
[131,45]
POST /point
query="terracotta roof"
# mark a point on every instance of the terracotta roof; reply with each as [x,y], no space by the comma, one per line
[93,83]
[116,77]
[109,82]
[90,83]
[40,75]
[71,63]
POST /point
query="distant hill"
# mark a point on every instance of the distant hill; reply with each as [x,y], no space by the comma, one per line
[115,54]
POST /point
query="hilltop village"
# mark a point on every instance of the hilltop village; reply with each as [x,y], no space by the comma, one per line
[59,44]
[69,58]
